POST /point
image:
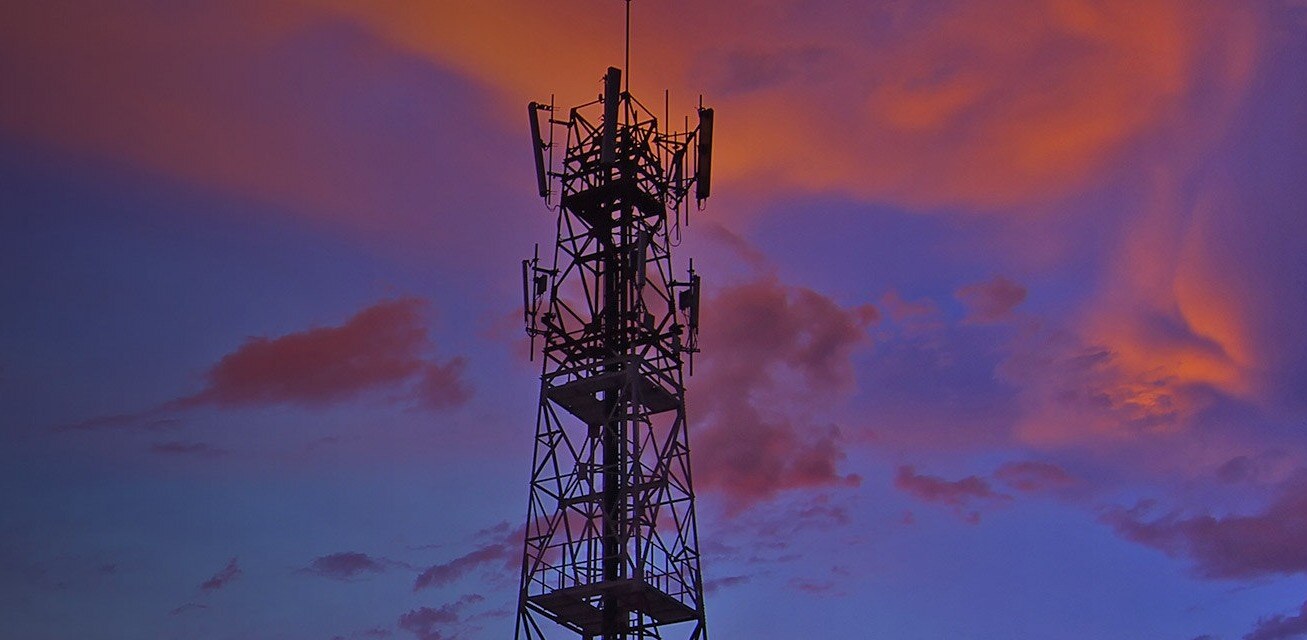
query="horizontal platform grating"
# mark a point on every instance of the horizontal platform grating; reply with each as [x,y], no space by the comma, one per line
[573,604]
[582,399]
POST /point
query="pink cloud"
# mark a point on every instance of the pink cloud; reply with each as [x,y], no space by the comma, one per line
[1270,543]
[504,552]
[716,584]
[1032,475]
[902,310]
[771,354]
[437,624]
[222,578]
[753,461]
[381,347]
[767,536]
[820,511]
[1280,627]
[1269,467]
[991,300]
[442,574]
[442,385]
[960,495]
[346,565]
[378,347]
[814,587]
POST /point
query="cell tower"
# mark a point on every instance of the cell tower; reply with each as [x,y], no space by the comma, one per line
[611,547]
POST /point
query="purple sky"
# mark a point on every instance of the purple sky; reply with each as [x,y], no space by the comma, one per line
[1003,328]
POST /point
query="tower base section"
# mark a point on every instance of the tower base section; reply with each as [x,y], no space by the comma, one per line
[574,606]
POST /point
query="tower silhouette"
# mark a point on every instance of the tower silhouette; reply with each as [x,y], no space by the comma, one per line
[611,548]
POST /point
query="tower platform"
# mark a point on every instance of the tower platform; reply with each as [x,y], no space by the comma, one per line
[582,397]
[572,605]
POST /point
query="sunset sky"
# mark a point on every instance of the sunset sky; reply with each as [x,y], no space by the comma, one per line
[1005,324]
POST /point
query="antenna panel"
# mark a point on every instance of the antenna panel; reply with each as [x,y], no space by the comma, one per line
[538,146]
[612,99]
[703,176]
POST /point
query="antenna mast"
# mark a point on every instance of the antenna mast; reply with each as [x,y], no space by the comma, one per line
[627,61]
[612,547]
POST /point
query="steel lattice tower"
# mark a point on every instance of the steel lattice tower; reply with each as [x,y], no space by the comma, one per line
[611,545]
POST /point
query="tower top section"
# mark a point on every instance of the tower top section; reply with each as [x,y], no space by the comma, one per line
[681,160]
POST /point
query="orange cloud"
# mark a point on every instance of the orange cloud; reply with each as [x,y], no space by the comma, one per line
[151,87]
[1198,302]
[958,105]
[1171,309]
[1074,393]
[992,105]
[275,103]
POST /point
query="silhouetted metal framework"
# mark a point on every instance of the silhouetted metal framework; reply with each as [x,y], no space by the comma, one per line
[611,547]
